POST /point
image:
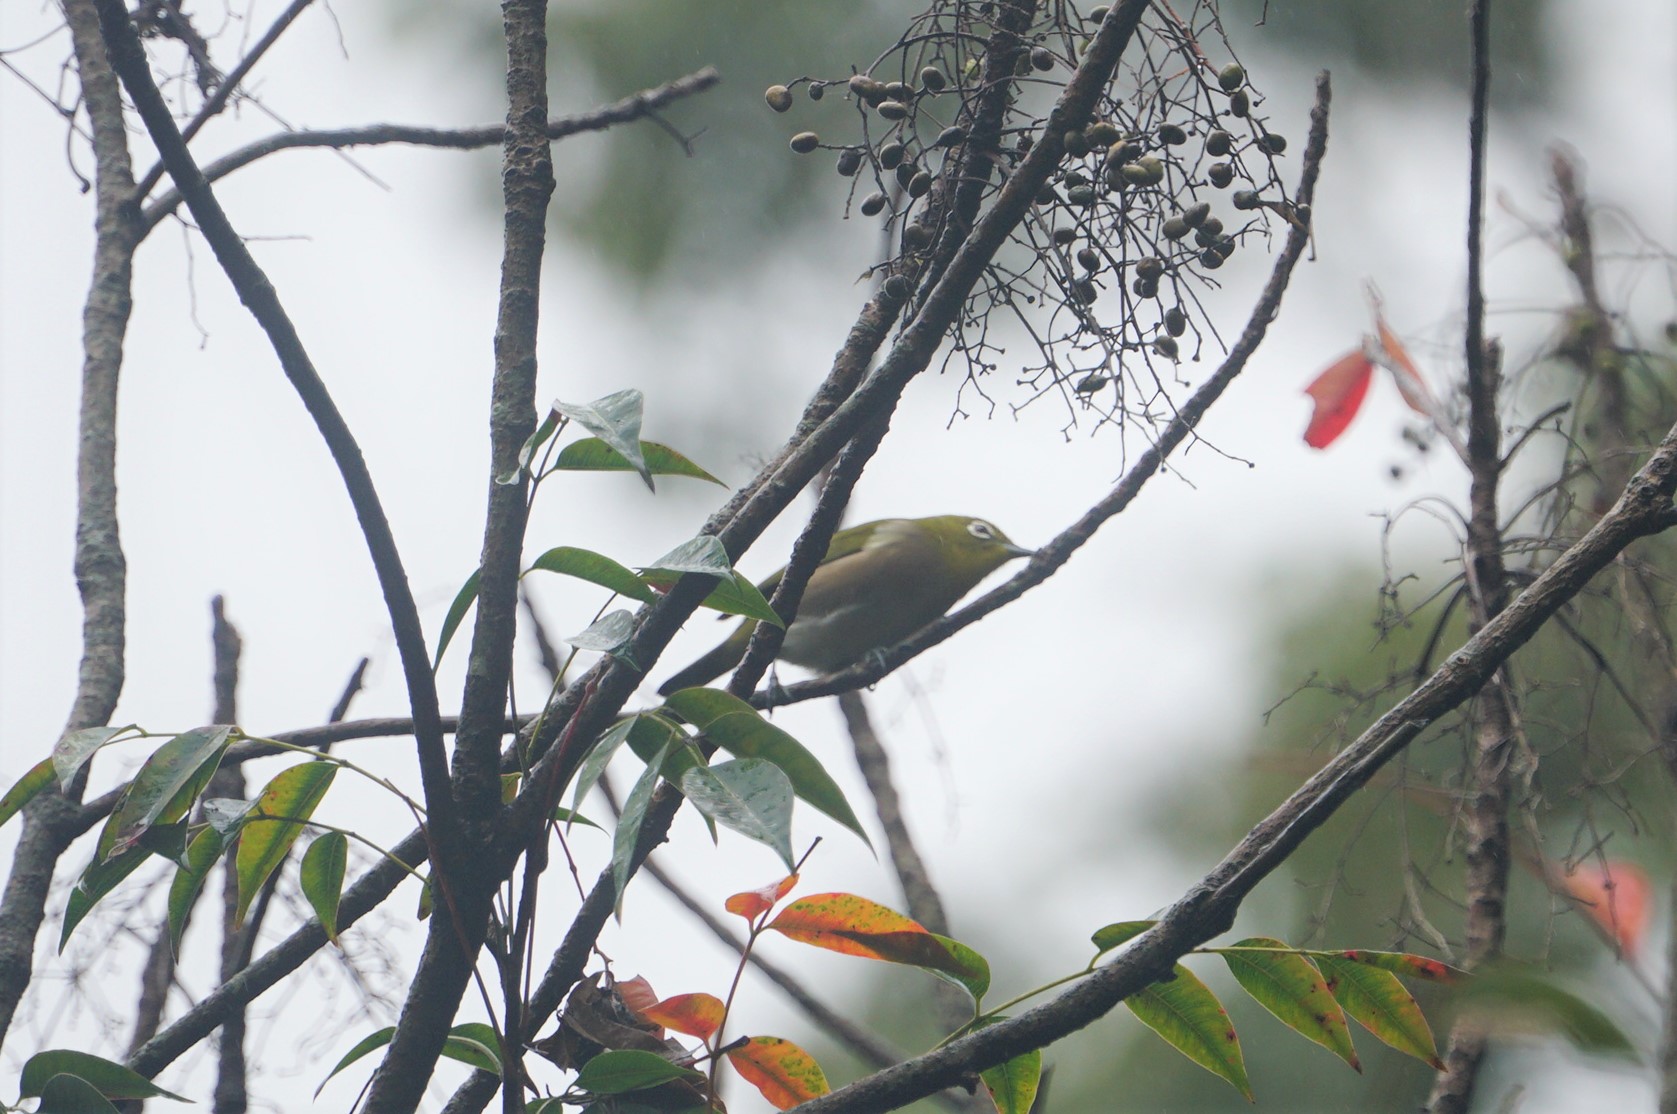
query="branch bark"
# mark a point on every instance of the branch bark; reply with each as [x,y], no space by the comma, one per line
[49,822]
[458,878]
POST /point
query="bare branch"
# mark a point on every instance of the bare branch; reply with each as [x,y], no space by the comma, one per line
[101,569]
[638,106]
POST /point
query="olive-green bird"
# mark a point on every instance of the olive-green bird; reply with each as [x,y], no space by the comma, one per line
[879,583]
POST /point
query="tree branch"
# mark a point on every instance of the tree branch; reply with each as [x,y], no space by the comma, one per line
[637,106]
[257,293]
[100,567]
[1209,908]
[1485,816]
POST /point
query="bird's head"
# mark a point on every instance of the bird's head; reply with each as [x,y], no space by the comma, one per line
[971,548]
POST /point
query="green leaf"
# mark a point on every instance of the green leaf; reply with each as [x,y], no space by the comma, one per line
[282,808]
[1188,1016]
[527,451]
[629,824]
[622,1070]
[596,568]
[648,741]
[1380,1004]
[463,600]
[590,454]
[600,756]
[616,420]
[703,554]
[1289,986]
[750,795]
[25,789]
[110,1080]
[966,968]
[100,878]
[369,1043]
[1013,1084]
[73,750]
[607,634]
[165,786]
[738,596]
[735,595]
[201,856]
[563,815]
[322,878]
[545,1106]
[226,814]
[70,1094]
[736,727]
[476,1044]
[166,841]
[1117,934]
[1511,999]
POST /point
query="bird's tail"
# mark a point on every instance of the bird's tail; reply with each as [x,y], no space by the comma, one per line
[721,659]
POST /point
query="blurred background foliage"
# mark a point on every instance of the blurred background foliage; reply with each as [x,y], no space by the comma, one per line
[661,219]
[1386,872]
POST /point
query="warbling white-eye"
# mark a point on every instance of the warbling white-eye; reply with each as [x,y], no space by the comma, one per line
[879,583]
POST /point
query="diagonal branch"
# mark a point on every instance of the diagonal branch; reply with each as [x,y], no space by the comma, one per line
[1644,509]
[129,60]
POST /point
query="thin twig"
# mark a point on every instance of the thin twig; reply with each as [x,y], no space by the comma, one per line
[635,107]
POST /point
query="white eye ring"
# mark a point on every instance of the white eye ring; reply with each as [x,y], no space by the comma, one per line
[981,530]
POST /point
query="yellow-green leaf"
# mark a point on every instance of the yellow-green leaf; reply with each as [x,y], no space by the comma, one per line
[1013,1085]
[282,809]
[1288,985]
[25,789]
[1185,1012]
[1380,1004]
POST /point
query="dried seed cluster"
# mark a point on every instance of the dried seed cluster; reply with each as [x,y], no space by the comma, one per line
[1137,213]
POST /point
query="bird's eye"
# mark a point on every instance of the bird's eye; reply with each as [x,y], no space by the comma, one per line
[981,531]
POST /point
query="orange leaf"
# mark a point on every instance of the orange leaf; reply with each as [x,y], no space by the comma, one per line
[1395,358]
[1616,894]
[1338,393]
[697,1015]
[754,903]
[783,1072]
[852,925]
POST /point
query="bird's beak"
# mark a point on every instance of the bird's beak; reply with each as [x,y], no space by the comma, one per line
[1015,550]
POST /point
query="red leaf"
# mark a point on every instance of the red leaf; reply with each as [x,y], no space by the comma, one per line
[1616,895]
[1338,393]
[754,903]
[636,993]
[697,1015]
